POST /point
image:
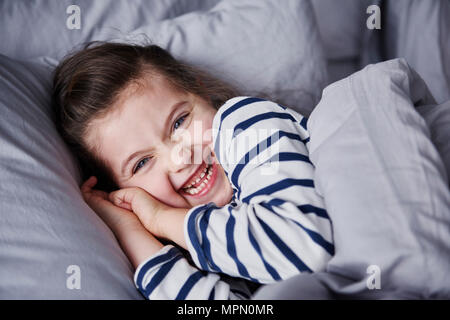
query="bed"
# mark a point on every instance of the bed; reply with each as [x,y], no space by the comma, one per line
[53,246]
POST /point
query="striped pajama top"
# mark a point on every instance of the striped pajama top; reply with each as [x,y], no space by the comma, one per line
[275,226]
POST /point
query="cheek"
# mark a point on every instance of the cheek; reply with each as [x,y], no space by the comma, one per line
[159,186]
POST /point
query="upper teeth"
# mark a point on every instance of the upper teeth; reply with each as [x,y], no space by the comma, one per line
[206,171]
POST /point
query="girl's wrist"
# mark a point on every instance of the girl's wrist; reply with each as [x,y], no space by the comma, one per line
[170,225]
[122,230]
[137,243]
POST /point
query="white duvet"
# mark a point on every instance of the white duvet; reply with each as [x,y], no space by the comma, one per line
[385,188]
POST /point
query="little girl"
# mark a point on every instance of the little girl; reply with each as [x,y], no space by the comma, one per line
[214,187]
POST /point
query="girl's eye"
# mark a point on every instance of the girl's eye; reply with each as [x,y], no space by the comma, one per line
[140,164]
[179,122]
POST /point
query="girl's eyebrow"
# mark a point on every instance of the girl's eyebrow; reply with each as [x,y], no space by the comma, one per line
[137,153]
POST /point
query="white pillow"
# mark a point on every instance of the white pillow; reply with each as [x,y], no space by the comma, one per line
[341,25]
[260,46]
[437,118]
[48,234]
[419,31]
[31,29]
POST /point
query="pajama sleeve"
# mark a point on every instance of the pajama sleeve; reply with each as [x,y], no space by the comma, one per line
[276,225]
[167,275]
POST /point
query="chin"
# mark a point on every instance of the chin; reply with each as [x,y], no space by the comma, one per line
[223,200]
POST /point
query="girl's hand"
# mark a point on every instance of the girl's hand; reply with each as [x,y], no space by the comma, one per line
[147,208]
[137,243]
[117,218]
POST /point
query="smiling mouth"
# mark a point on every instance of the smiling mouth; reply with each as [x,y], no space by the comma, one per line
[202,181]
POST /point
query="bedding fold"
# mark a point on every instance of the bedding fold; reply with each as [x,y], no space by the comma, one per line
[385,189]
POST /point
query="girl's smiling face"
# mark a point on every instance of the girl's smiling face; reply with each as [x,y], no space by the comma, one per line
[159,139]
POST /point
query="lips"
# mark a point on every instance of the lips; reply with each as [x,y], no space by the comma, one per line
[201,181]
[197,177]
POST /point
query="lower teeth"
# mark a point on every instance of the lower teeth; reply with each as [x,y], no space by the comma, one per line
[193,190]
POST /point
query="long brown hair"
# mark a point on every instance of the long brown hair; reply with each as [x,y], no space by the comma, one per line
[86,84]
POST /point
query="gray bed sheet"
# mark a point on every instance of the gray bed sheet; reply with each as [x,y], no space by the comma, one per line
[385,187]
[420,32]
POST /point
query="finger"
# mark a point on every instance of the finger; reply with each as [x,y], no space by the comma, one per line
[134,199]
[112,215]
[125,205]
[121,196]
[100,193]
[88,184]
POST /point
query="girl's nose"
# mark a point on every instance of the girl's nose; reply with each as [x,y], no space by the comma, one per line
[185,156]
[179,157]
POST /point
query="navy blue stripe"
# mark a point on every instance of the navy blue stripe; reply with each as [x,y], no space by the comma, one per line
[206,245]
[192,231]
[153,262]
[303,123]
[274,202]
[316,237]
[289,156]
[271,270]
[187,286]
[307,208]
[226,113]
[304,208]
[212,294]
[280,185]
[238,105]
[279,157]
[231,246]
[160,275]
[284,249]
[260,117]
[263,145]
